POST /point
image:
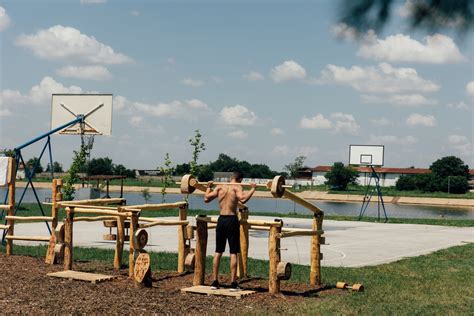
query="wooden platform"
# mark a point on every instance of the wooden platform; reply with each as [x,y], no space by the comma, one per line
[203,289]
[82,276]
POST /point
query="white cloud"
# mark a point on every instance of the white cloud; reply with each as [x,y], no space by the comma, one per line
[391,139]
[238,115]
[345,32]
[381,79]
[345,123]
[120,102]
[470,88]
[423,120]
[288,70]
[136,120]
[135,13]
[285,150]
[399,99]
[85,2]
[253,76]
[238,134]
[277,131]
[316,122]
[380,121]
[176,109]
[197,104]
[85,72]
[192,82]
[436,49]
[406,9]
[4,19]
[5,112]
[39,94]
[459,106]
[461,144]
[68,43]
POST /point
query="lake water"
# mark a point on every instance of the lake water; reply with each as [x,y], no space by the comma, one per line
[287,207]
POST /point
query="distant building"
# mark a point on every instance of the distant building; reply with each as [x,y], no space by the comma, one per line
[388,176]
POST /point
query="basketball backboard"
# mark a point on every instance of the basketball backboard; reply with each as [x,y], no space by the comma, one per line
[95,108]
[366,155]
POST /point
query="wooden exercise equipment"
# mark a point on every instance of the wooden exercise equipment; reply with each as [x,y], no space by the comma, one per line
[284,270]
[357,287]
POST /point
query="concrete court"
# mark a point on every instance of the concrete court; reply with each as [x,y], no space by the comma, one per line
[349,244]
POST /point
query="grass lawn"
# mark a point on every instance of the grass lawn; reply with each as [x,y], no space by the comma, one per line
[33,210]
[439,283]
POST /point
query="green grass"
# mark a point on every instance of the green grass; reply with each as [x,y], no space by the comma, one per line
[33,210]
[439,283]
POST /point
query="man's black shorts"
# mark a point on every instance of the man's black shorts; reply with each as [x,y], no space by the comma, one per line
[228,228]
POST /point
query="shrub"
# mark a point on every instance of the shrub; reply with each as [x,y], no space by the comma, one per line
[341,176]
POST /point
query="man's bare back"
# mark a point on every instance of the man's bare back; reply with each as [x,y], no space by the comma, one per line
[229,196]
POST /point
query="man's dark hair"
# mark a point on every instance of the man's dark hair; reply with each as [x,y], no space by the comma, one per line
[237,176]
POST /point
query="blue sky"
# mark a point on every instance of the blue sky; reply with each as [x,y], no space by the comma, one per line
[263,81]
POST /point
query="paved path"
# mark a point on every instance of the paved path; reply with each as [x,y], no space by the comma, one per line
[349,244]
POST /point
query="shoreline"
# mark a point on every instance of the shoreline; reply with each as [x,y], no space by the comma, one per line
[310,195]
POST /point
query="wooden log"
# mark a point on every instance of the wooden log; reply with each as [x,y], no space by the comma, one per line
[98,201]
[109,237]
[92,218]
[142,270]
[82,210]
[120,240]
[301,233]
[248,221]
[4,227]
[59,253]
[194,182]
[203,188]
[201,248]
[242,270]
[190,232]
[73,204]
[299,200]
[274,259]
[140,239]
[68,238]
[56,196]
[183,215]
[163,222]
[11,203]
[4,207]
[133,247]
[190,261]
[29,218]
[28,238]
[315,269]
[156,207]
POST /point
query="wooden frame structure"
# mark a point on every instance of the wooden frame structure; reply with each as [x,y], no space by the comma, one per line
[276,231]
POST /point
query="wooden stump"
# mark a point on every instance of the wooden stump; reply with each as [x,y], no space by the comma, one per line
[120,240]
[274,256]
[244,245]
[142,270]
[201,248]
[11,177]
[315,270]
[183,214]
[68,236]
[133,248]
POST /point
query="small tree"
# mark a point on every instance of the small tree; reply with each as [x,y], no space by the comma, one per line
[146,195]
[450,166]
[78,163]
[294,167]
[34,165]
[57,167]
[205,173]
[7,152]
[167,176]
[341,176]
[100,166]
[198,147]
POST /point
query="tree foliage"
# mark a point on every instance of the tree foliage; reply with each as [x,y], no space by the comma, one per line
[78,163]
[100,166]
[430,15]
[167,176]
[198,147]
[57,167]
[225,163]
[121,170]
[341,176]
[450,166]
[295,167]
[34,165]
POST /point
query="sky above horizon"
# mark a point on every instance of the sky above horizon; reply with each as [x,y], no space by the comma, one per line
[262,81]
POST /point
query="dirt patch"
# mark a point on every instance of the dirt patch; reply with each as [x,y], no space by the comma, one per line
[25,288]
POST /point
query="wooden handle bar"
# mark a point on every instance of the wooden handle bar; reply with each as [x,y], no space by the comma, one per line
[94,218]
[29,218]
[299,200]
[28,238]
[242,221]
[267,185]
[203,188]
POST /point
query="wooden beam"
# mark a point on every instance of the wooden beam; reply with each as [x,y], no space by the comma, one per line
[4,226]
[163,223]
[301,233]
[183,215]
[99,201]
[94,218]
[120,241]
[156,207]
[29,218]
[201,248]
[4,207]
[267,185]
[274,259]
[131,255]
[303,202]
[247,221]
[203,188]
[242,270]
[28,238]
[82,210]
[72,204]
[68,237]
[315,267]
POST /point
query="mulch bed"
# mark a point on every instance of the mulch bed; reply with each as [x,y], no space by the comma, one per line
[25,288]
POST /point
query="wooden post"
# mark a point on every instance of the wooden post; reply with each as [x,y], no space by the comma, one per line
[131,256]
[68,238]
[315,274]
[11,203]
[120,241]
[242,270]
[56,196]
[201,248]
[183,214]
[274,256]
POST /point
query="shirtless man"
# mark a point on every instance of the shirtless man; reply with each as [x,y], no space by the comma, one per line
[228,227]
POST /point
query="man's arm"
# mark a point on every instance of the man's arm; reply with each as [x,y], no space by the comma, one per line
[245,196]
[210,195]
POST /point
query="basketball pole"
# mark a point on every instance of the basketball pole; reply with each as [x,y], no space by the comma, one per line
[30,174]
[368,196]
